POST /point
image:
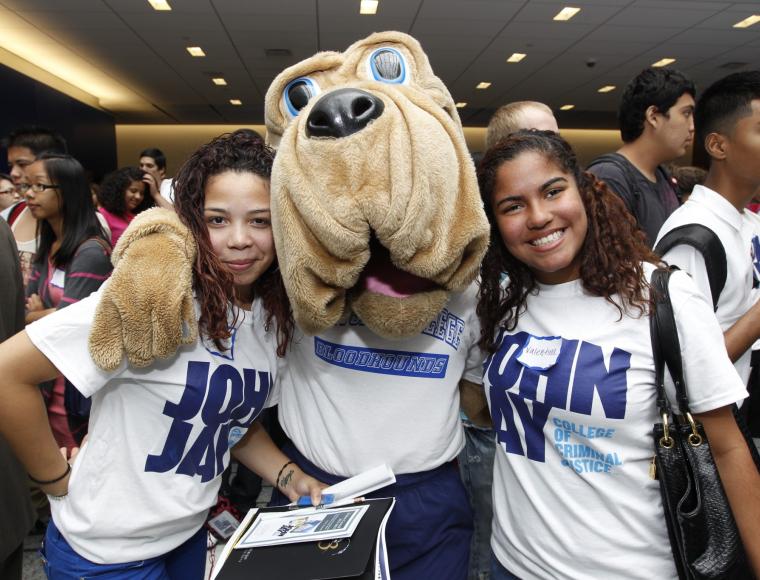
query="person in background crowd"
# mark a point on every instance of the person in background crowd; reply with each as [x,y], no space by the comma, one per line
[685,177]
[656,117]
[72,261]
[161,188]
[568,504]
[519,115]
[133,504]
[24,145]
[8,194]
[122,196]
[728,127]
[16,513]
[476,458]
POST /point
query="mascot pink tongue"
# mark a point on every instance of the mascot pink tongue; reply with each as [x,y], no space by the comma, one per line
[380,276]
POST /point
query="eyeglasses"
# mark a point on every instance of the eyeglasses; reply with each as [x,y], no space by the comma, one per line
[35,187]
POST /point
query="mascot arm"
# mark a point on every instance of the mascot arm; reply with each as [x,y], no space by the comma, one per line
[146,307]
[472,399]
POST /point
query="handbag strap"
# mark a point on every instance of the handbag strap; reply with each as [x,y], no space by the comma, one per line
[666,347]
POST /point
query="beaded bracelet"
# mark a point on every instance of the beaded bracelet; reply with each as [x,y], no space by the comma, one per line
[51,481]
[277,481]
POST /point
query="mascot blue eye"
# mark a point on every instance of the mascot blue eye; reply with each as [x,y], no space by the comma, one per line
[297,94]
[387,65]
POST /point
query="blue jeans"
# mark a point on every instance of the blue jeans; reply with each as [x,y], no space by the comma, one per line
[185,562]
[476,469]
[499,572]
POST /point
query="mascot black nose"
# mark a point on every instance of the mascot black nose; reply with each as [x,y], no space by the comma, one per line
[342,113]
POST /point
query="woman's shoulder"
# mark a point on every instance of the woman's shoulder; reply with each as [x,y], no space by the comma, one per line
[93,250]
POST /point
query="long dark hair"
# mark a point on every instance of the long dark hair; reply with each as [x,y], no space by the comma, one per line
[114,186]
[80,222]
[244,152]
[611,255]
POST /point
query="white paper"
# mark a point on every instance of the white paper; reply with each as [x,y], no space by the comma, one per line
[363,483]
[304,525]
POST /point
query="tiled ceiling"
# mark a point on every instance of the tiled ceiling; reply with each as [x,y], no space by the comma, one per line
[467,41]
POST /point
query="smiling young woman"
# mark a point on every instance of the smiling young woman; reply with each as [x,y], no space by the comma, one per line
[563,307]
[134,501]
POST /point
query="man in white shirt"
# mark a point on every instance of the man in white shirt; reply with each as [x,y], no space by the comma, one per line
[153,163]
[728,125]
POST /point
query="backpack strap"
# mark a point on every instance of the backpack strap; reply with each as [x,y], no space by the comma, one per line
[15,212]
[707,243]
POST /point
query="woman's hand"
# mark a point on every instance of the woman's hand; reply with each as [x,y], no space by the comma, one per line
[35,309]
[294,483]
[34,303]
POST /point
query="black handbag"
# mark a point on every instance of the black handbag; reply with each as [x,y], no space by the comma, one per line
[703,534]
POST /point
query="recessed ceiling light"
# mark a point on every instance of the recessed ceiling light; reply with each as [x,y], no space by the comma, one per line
[663,62]
[516,57]
[606,89]
[747,22]
[159,4]
[368,6]
[236,102]
[566,107]
[461,105]
[483,85]
[219,81]
[195,51]
[566,13]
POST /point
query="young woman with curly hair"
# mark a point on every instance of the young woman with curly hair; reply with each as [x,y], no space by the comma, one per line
[135,501]
[563,307]
[121,196]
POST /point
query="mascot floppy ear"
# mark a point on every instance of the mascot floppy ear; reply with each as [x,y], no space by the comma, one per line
[375,203]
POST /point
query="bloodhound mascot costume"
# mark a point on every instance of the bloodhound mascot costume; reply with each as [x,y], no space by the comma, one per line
[379,231]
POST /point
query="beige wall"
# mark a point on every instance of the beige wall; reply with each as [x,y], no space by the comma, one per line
[176,141]
[179,141]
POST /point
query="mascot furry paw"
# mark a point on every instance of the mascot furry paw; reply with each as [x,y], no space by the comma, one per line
[379,230]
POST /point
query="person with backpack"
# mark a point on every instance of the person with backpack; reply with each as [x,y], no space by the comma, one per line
[656,126]
[712,236]
[73,259]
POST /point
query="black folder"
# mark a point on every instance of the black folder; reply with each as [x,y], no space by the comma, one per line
[352,557]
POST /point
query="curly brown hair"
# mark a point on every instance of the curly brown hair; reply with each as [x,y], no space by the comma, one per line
[611,255]
[114,186]
[245,152]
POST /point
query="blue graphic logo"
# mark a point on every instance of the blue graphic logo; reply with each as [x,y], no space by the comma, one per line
[385,362]
[447,327]
[529,376]
[223,401]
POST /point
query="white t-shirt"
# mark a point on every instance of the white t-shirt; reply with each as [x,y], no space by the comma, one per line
[159,437]
[572,396]
[166,189]
[737,232]
[351,399]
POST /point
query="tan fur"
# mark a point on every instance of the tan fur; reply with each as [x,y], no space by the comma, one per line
[407,177]
[146,308]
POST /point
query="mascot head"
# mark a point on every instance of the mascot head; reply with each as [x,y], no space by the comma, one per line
[375,204]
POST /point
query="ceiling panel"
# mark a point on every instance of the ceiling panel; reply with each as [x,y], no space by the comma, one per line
[466,40]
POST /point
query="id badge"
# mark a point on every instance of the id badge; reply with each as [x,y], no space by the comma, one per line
[540,352]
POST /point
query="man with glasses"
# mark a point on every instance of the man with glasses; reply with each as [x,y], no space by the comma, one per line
[8,195]
[24,145]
